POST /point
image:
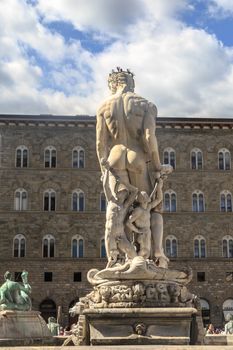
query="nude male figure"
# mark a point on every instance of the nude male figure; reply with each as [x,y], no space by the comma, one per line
[139,220]
[125,134]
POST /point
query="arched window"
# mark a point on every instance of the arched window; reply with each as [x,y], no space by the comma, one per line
[199,247]
[198,201]
[50,157]
[227,307]
[225,201]
[19,246]
[169,157]
[102,248]
[48,246]
[227,246]
[21,199]
[103,203]
[78,200]
[77,247]
[224,159]
[78,157]
[48,309]
[196,159]
[21,157]
[205,311]
[49,200]
[171,246]
[170,201]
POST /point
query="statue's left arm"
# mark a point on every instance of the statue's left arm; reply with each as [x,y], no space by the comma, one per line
[107,190]
[101,137]
[150,139]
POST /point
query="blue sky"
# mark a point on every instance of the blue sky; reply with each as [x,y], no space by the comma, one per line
[219,24]
[56,55]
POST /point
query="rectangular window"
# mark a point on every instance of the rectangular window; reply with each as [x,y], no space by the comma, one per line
[52,198]
[18,158]
[18,277]
[48,277]
[25,158]
[47,159]
[81,202]
[53,161]
[75,159]
[172,160]
[77,276]
[199,160]
[220,161]
[46,202]
[200,276]
[193,160]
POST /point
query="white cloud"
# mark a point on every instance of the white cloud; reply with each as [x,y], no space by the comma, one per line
[109,17]
[185,71]
[221,8]
[113,18]
[177,70]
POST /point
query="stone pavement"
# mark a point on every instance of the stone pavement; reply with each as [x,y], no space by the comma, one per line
[124,347]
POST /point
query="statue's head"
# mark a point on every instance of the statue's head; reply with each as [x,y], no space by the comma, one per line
[7,276]
[121,192]
[52,319]
[228,317]
[24,274]
[122,195]
[121,78]
[143,197]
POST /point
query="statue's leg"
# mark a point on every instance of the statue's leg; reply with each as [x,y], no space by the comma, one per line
[157,238]
[144,241]
[126,247]
[110,243]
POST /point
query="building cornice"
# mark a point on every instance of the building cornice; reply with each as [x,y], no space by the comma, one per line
[194,123]
[50,120]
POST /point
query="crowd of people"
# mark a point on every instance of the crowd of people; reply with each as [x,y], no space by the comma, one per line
[214,330]
[66,330]
[228,328]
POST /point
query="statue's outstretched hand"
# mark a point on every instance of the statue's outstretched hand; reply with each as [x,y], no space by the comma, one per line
[166,169]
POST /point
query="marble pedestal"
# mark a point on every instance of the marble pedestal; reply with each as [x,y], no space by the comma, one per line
[23,328]
[133,326]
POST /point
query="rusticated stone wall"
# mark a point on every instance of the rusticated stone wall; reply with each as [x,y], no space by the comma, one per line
[63,224]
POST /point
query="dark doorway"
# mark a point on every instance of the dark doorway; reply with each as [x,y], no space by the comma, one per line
[48,309]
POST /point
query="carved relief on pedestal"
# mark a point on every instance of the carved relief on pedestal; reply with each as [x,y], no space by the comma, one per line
[139,294]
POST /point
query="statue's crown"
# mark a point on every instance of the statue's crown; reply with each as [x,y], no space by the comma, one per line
[120,70]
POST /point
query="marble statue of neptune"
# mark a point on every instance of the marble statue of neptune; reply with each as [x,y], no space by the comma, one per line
[128,153]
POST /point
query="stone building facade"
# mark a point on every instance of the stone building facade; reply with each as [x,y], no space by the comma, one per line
[52,206]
